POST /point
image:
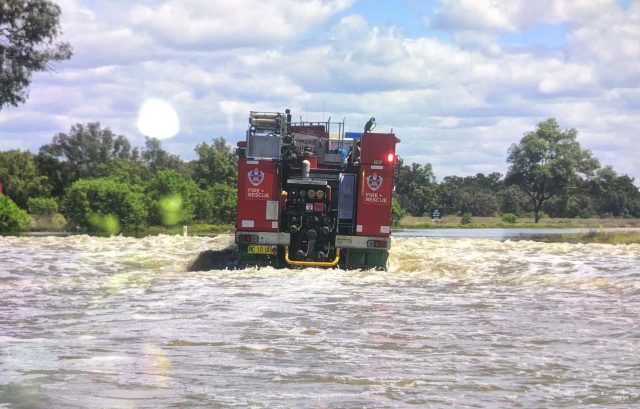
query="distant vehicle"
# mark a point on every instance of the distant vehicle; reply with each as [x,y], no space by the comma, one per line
[311,195]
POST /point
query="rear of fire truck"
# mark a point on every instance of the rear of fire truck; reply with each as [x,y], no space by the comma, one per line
[310,194]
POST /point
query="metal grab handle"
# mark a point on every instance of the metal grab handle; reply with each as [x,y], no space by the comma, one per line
[311,263]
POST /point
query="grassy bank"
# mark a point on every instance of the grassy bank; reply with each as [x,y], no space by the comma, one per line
[412,222]
[192,230]
[595,237]
[58,224]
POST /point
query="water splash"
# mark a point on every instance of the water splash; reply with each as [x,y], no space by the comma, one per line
[120,322]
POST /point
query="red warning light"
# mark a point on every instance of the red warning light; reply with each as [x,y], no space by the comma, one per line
[391,157]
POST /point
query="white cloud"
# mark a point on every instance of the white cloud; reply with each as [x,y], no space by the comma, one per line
[610,44]
[477,15]
[565,77]
[513,15]
[457,104]
[225,24]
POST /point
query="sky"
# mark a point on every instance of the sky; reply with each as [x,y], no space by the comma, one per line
[458,81]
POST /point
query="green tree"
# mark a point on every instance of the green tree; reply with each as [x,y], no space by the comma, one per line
[397,212]
[491,182]
[547,162]
[28,32]
[613,194]
[513,200]
[104,206]
[158,159]
[571,203]
[216,163]
[42,206]
[12,218]
[478,194]
[217,204]
[449,193]
[479,203]
[132,172]
[80,154]
[173,198]
[416,188]
[20,178]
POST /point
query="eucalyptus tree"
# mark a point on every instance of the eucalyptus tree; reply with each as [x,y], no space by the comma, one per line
[548,162]
[19,177]
[80,154]
[28,33]
[416,188]
[216,163]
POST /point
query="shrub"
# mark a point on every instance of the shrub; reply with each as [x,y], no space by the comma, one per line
[56,222]
[105,206]
[217,204]
[397,212]
[12,218]
[173,198]
[44,215]
[466,219]
[509,218]
[42,206]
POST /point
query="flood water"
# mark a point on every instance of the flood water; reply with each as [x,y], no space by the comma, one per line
[506,233]
[118,322]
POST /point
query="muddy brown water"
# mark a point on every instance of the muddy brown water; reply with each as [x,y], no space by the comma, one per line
[119,322]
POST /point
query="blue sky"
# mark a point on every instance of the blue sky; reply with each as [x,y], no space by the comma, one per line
[459,81]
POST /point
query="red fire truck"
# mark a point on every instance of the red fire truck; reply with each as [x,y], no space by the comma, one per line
[311,194]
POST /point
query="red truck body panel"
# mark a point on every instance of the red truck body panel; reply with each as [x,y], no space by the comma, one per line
[258,195]
[376,184]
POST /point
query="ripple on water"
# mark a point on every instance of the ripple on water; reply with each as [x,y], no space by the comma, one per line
[119,322]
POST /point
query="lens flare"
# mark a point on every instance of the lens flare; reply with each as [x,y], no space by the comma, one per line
[171,210]
[157,119]
[109,223]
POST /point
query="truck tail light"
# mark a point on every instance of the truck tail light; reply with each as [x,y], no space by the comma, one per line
[391,157]
[377,244]
[247,238]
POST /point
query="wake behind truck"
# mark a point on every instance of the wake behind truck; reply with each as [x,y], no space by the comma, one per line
[312,195]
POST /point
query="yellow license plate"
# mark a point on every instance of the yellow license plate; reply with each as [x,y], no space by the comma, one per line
[262,249]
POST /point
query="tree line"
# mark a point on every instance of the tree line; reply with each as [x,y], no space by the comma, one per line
[549,174]
[98,182]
